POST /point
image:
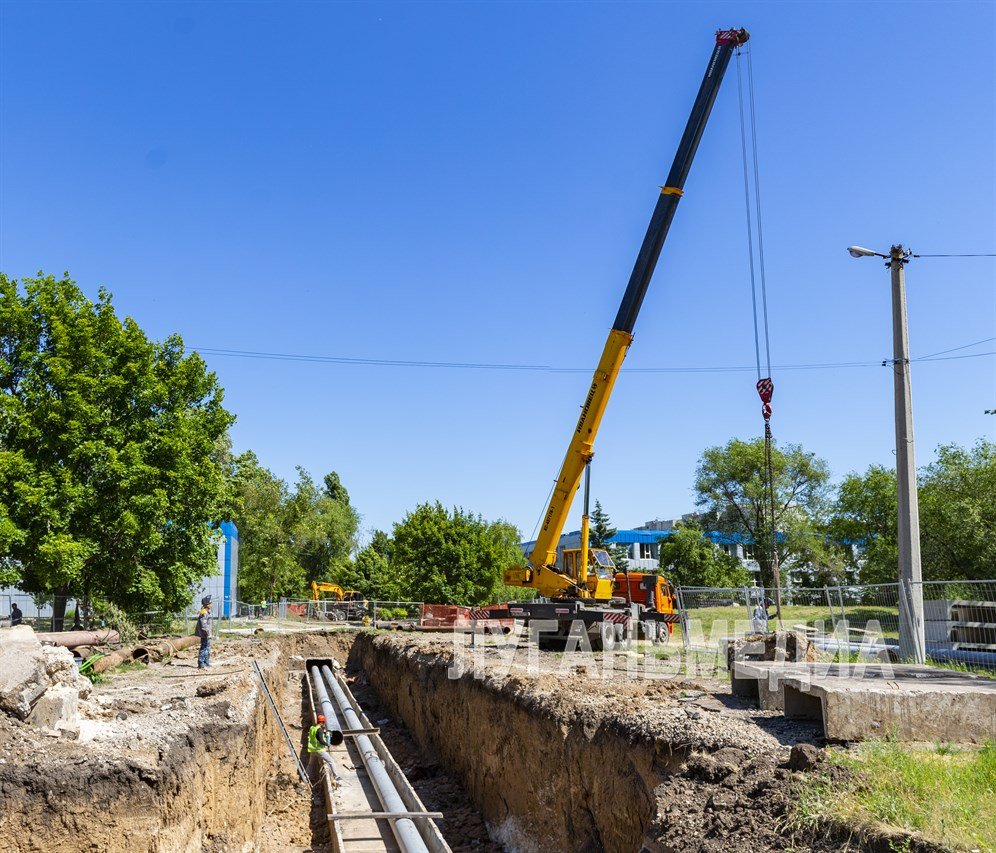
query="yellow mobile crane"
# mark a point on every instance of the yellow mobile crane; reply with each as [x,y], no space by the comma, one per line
[582,590]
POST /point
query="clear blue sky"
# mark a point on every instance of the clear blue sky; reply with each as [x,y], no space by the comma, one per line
[470,182]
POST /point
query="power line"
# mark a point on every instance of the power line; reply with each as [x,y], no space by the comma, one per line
[956,256]
[542,368]
[955,349]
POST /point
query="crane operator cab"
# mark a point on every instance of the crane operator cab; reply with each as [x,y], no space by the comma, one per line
[601,570]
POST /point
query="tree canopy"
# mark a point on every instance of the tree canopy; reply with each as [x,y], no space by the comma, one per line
[452,555]
[957,497]
[289,537]
[109,475]
[730,485]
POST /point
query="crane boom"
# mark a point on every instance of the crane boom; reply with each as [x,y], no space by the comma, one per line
[541,572]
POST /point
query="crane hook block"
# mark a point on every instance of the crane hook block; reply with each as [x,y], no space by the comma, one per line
[734,37]
[765,390]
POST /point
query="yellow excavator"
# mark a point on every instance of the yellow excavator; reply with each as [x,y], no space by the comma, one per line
[347,604]
[585,591]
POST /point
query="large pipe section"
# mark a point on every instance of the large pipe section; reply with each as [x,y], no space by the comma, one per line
[331,721]
[404,829]
[163,649]
[72,639]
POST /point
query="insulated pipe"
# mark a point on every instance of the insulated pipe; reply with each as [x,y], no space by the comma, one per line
[331,722]
[404,829]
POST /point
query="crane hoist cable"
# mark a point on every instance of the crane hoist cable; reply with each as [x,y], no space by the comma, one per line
[765,385]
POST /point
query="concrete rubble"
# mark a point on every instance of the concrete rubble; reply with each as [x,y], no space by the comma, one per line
[40,684]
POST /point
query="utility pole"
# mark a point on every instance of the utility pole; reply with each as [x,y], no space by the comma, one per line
[912,645]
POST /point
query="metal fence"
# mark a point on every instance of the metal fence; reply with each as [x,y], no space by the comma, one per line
[959,617]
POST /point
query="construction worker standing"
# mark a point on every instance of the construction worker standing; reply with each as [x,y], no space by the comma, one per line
[203,630]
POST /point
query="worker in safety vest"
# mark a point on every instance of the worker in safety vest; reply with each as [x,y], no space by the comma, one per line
[318,745]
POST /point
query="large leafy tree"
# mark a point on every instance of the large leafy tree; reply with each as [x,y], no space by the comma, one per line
[730,485]
[688,558]
[863,524]
[109,474]
[452,557]
[601,532]
[258,505]
[957,495]
[322,526]
[374,571]
[289,536]
[958,513]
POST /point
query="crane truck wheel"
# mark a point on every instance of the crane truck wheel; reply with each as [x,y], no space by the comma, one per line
[603,636]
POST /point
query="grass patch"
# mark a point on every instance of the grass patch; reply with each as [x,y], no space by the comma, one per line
[946,793]
[799,614]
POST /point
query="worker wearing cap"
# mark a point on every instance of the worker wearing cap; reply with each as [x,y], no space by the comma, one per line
[203,630]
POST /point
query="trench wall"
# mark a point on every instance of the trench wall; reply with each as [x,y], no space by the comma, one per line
[544,780]
[207,792]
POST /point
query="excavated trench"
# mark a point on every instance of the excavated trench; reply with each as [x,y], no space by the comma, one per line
[508,766]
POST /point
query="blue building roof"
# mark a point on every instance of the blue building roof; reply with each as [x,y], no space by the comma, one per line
[632,537]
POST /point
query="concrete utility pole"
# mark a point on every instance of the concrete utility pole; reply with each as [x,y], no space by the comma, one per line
[912,645]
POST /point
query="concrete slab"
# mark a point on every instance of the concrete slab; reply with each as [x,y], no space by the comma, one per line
[865,700]
[23,676]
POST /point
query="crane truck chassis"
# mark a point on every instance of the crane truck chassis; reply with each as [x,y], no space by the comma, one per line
[582,595]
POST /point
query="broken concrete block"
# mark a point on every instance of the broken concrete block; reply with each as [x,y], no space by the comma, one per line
[58,710]
[23,673]
[61,668]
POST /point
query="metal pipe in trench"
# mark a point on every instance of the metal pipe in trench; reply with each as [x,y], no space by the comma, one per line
[331,721]
[404,829]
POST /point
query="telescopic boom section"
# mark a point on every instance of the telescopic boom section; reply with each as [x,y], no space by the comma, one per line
[543,558]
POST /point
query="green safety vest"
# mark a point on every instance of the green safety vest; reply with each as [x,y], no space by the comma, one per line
[313,744]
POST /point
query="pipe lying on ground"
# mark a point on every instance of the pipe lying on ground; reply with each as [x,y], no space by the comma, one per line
[144,654]
[72,639]
[112,660]
[331,722]
[163,649]
[404,829]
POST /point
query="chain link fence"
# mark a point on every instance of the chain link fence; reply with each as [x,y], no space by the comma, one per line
[959,617]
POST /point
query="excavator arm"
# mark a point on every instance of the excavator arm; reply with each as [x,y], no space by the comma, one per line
[541,571]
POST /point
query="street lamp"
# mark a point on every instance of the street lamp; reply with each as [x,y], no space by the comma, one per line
[911,638]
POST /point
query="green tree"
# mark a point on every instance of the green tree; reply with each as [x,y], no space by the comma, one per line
[601,532]
[322,528]
[730,485]
[863,524]
[289,538]
[957,497]
[267,565]
[452,557]
[958,513]
[689,558]
[108,469]
[376,575]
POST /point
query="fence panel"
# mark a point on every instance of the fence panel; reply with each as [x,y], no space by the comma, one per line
[959,617]
[959,620]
